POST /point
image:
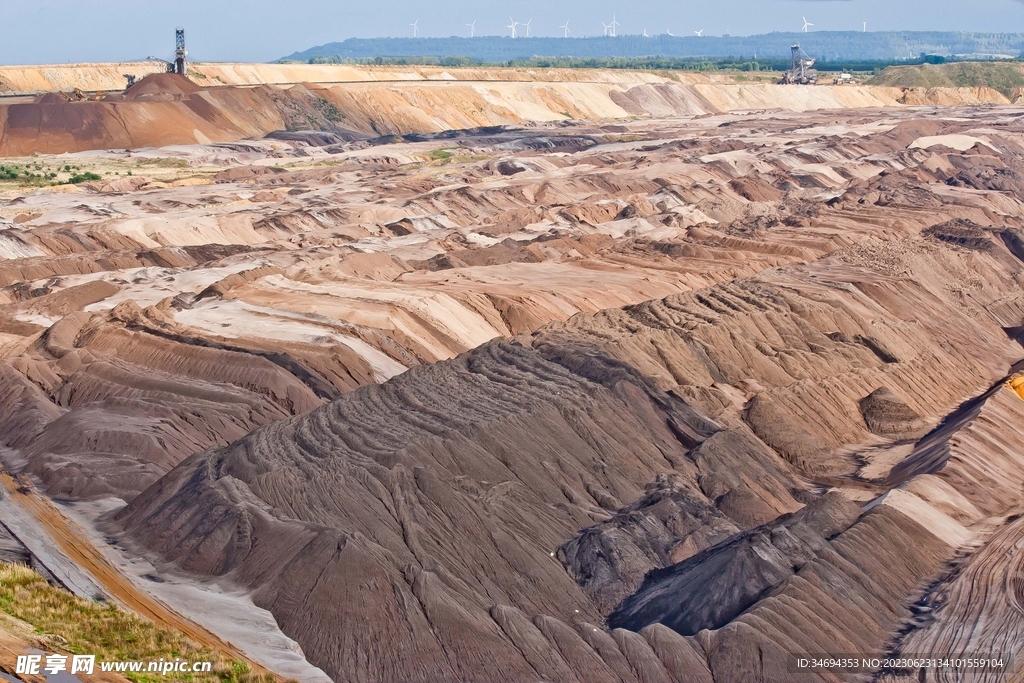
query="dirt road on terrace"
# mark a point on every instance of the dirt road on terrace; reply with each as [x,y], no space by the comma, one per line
[74,543]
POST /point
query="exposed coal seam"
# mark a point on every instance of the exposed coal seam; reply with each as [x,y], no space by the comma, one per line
[793,540]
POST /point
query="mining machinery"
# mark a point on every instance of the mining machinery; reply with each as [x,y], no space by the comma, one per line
[180,65]
[800,69]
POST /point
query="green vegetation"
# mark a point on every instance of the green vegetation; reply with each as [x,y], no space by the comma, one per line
[834,45]
[328,110]
[396,61]
[635,63]
[164,162]
[1006,77]
[439,154]
[83,177]
[39,175]
[109,632]
[644,63]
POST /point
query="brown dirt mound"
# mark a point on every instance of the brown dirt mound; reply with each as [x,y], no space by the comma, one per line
[886,414]
[72,299]
[136,121]
[52,98]
[778,427]
[507,251]
[755,189]
[245,173]
[964,233]
[162,84]
[906,132]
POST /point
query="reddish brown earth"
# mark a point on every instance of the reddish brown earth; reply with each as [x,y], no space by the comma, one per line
[228,104]
[662,400]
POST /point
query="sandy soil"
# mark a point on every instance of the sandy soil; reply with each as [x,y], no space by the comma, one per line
[458,394]
[18,638]
[73,542]
[228,613]
[164,109]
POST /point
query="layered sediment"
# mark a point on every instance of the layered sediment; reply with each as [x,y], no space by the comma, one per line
[659,400]
[227,103]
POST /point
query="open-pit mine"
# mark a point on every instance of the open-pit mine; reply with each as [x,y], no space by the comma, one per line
[414,375]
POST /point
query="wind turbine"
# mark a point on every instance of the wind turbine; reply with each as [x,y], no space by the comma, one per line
[565,29]
[614,25]
[700,33]
[645,34]
[415,28]
[606,27]
[512,26]
[865,27]
[807,24]
[472,29]
[669,32]
[527,25]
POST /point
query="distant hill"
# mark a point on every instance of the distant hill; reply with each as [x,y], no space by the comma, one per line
[1006,77]
[830,45]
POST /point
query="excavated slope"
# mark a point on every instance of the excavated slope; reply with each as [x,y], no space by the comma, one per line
[161,111]
[435,503]
[16,80]
[447,491]
[267,292]
[496,414]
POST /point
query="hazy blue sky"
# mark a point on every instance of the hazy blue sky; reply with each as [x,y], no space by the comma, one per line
[52,31]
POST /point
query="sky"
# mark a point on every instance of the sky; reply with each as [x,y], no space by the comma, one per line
[61,31]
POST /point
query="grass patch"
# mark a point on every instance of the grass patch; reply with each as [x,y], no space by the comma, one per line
[328,110]
[470,158]
[163,162]
[1006,77]
[109,632]
[439,155]
[83,177]
[40,175]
